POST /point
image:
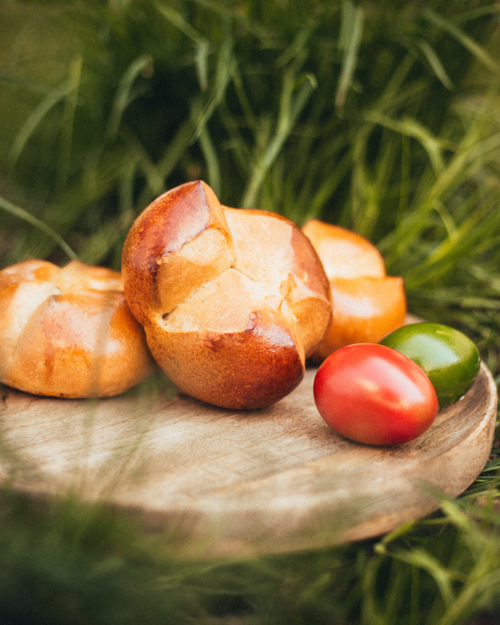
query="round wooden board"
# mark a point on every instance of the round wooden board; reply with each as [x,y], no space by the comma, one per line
[230,483]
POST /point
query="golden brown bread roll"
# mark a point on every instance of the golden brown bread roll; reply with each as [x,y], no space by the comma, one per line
[68,332]
[367,304]
[232,300]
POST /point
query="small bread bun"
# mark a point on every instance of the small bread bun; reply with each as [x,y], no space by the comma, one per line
[344,253]
[232,300]
[367,304]
[68,332]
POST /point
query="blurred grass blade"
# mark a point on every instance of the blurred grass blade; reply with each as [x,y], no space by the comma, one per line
[97,246]
[290,108]
[412,128]
[167,163]
[477,50]
[123,94]
[472,235]
[26,84]
[468,159]
[211,159]
[138,158]
[326,189]
[250,118]
[75,73]
[23,214]
[476,12]
[202,44]
[393,90]
[296,47]
[443,576]
[454,298]
[349,42]
[435,63]
[224,70]
[54,97]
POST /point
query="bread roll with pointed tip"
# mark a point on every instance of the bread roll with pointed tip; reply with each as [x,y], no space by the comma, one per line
[232,300]
[367,304]
[68,332]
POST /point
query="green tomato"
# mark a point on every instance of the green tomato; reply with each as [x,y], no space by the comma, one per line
[448,357]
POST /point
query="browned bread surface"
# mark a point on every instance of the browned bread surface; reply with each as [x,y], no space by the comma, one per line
[232,300]
[68,332]
[344,253]
[367,304]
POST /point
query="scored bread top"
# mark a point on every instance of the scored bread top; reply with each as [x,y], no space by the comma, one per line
[178,243]
[232,301]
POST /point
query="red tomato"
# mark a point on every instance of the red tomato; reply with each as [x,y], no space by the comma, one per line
[373,394]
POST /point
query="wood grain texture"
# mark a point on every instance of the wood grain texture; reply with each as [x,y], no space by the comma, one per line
[231,483]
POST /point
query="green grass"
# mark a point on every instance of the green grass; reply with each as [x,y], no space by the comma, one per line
[380,116]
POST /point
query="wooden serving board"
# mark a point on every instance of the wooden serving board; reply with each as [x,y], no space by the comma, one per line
[230,483]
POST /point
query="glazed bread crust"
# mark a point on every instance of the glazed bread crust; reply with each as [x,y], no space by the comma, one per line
[232,300]
[367,304]
[68,332]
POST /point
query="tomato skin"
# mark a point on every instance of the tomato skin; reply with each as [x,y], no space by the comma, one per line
[373,394]
[448,357]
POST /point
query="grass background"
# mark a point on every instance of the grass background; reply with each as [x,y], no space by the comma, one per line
[380,116]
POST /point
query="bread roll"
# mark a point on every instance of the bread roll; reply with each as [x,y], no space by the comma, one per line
[232,300]
[367,304]
[68,332]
